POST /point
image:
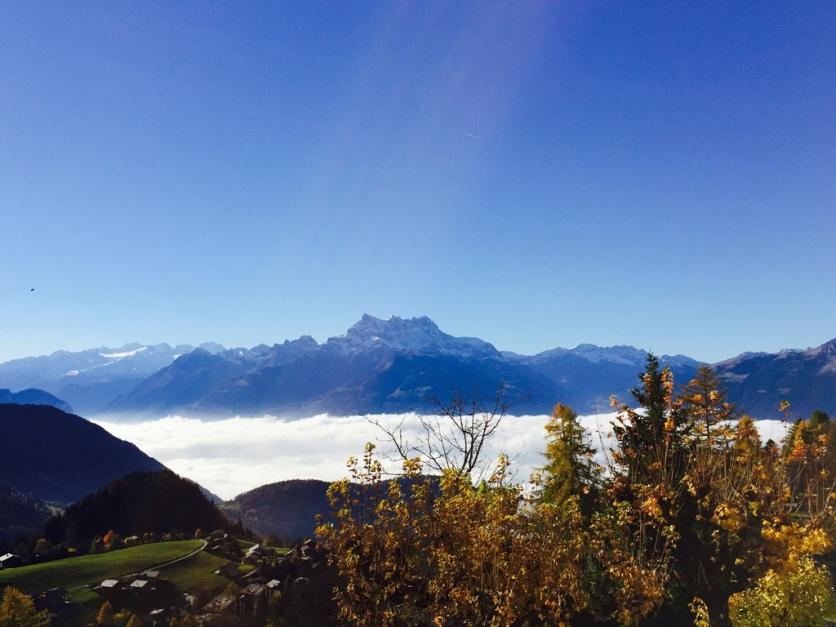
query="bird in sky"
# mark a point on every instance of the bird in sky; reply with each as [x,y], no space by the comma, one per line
[31,289]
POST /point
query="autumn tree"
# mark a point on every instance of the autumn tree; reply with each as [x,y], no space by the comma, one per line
[461,556]
[696,522]
[570,470]
[706,404]
[709,503]
[105,615]
[650,436]
[797,597]
[18,610]
[43,549]
[112,540]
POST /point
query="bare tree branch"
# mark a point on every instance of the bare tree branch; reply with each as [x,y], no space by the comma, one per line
[454,438]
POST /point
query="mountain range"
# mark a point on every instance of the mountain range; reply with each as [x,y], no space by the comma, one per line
[89,380]
[393,365]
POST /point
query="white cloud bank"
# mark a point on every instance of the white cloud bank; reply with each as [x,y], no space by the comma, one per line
[237,454]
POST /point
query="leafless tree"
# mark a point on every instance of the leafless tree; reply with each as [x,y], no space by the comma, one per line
[455,437]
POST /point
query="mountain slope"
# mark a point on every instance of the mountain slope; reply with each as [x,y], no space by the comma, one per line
[289,509]
[140,502]
[588,375]
[286,509]
[184,382]
[20,514]
[758,382]
[60,457]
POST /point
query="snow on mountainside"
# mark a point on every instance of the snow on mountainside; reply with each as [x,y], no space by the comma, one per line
[394,364]
[416,335]
[117,356]
[89,379]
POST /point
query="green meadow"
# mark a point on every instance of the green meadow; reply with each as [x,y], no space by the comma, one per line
[87,569]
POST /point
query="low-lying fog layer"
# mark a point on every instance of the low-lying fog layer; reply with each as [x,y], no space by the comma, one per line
[237,454]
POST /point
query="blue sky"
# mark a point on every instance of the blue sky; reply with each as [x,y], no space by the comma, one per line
[536,174]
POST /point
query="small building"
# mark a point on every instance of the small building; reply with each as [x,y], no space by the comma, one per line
[52,600]
[218,534]
[10,560]
[219,604]
[253,590]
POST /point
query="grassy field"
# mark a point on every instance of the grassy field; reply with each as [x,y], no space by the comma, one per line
[196,573]
[77,571]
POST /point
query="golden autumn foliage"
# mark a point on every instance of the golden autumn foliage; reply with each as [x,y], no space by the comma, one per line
[797,597]
[695,521]
[18,610]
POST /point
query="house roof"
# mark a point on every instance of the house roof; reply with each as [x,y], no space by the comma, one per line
[3,558]
[109,583]
[218,604]
[139,583]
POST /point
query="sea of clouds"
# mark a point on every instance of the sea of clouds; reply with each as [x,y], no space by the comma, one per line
[234,455]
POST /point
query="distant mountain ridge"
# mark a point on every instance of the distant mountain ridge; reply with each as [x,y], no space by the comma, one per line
[400,364]
[32,396]
[391,365]
[89,380]
[758,382]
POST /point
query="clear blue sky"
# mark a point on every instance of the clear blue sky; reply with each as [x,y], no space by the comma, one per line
[536,174]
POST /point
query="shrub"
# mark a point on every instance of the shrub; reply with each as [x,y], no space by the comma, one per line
[797,597]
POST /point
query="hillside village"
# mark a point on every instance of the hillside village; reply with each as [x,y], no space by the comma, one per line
[248,581]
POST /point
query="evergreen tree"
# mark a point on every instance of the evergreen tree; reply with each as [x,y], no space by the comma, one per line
[650,437]
[570,470]
[819,418]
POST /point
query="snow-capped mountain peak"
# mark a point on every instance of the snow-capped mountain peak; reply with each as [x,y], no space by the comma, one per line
[408,335]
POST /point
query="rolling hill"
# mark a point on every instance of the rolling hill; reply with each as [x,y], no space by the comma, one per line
[285,509]
[140,502]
